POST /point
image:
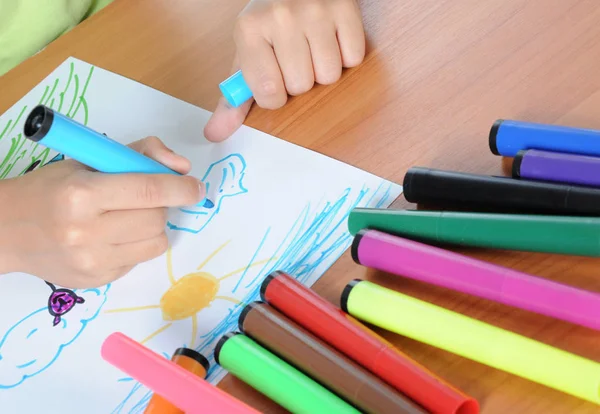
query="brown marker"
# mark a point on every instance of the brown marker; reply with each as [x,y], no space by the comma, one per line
[322,362]
[186,358]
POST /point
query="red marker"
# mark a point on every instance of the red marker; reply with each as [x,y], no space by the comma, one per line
[182,388]
[364,346]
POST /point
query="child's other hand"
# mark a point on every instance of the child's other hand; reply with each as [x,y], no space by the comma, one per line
[78,228]
[284,47]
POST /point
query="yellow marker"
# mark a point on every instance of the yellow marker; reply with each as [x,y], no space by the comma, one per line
[473,339]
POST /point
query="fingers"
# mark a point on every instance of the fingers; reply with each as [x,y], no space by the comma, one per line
[118,227]
[326,56]
[143,191]
[294,57]
[226,119]
[350,32]
[259,65]
[284,48]
[132,254]
[154,148]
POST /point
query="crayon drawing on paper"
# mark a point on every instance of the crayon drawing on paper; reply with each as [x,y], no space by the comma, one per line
[269,205]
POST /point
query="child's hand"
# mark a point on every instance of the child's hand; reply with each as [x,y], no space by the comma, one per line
[79,229]
[284,47]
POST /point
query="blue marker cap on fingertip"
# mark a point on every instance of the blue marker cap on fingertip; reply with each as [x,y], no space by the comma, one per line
[235,89]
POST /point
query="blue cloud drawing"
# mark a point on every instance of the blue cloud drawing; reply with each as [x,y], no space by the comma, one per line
[33,344]
[223,179]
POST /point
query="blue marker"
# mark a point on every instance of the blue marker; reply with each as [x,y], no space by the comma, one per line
[72,139]
[66,136]
[507,138]
[235,89]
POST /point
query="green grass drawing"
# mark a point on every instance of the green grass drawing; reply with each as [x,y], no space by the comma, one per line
[19,147]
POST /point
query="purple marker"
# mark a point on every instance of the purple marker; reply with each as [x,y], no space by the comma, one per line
[557,167]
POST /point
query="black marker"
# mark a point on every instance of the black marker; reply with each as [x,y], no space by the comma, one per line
[448,189]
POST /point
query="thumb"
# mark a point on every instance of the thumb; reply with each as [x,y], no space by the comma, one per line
[226,119]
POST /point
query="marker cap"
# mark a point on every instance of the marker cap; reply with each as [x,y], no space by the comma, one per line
[196,356]
[38,123]
[516,166]
[235,89]
[221,342]
[493,135]
[346,294]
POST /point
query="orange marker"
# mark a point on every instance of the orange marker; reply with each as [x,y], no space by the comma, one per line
[186,358]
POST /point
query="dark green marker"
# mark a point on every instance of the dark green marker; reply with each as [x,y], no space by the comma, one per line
[275,378]
[578,236]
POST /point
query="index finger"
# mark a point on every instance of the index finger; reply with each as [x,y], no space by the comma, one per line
[140,191]
[260,68]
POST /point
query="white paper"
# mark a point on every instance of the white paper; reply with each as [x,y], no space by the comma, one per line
[281,207]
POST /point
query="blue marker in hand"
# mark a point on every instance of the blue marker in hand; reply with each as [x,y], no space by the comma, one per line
[66,136]
[235,89]
[72,139]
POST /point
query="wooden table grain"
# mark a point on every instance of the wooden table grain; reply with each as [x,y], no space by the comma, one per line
[437,75]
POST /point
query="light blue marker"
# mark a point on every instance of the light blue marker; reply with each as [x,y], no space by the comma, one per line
[67,136]
[235,89]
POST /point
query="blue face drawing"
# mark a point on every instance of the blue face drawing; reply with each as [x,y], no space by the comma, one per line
[223,179]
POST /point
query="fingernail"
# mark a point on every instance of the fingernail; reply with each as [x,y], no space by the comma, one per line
[202,193]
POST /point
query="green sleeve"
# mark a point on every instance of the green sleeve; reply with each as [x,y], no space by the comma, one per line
[27,26]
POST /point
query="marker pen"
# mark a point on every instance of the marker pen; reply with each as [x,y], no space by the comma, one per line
[440,267]
[188,359]
[447,189]
[570,235]
[67,136]
[181,387]
[275,378]
[472,339]
[235,89]
[507,138]
[320,361]
[364,346]
[557,167]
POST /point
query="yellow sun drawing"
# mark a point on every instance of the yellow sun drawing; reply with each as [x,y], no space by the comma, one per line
[189,295]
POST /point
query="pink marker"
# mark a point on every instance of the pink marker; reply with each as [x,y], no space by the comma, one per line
[440,267]
[182,388]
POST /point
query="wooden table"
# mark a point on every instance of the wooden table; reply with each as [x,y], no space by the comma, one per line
[437,74]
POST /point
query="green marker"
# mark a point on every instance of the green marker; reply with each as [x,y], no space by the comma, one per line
[276,379]
[473,339]
[578,236]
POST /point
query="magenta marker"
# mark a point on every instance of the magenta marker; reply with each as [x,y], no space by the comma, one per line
[557,167]
[451,270]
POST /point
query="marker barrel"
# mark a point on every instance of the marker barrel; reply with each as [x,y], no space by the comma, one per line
[396,255]
[448,189]
[364,346]
[473,339]
[67,136]
[570,235]
[557,167]
[321,362]
[275,378]
[508,137]
[188,359]
[181,387]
